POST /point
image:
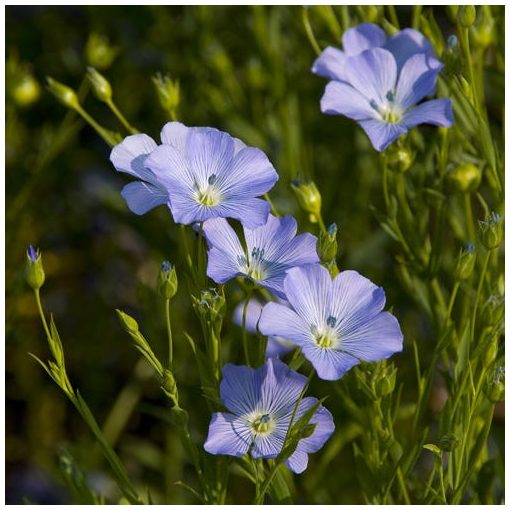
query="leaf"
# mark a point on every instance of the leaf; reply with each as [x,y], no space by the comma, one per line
[433,448]
[190,489]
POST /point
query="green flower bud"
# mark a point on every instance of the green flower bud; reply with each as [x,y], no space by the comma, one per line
[168,92]
[386,379]
[494,388]
[466,15]
[466,262]
[308,196]
[26,91]
[400,158]
[66,95]
[464,178]
[98,51]
[127,322]
[492,231]
[100,85]
[448,442]
[484,32]
[328,244]
[490,354]
[34,271]
[167,280]
[169,386]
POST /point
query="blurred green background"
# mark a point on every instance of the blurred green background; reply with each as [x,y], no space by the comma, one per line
[245,70]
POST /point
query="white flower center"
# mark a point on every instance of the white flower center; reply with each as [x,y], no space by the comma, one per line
[325,335]
[389,111]
[208,195]
[256,268]
[261,423]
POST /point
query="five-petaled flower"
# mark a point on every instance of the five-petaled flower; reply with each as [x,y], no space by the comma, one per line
[336,322]
[270,251]
[199,172]
[380,81]
[261,403]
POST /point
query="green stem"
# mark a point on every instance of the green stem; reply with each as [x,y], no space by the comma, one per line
[101,131]
[384,164]
[309,32]
[41,313]
[273,208]
[393,16]
[121,117]
[169,333]
[479,292]
[469,217]
[321,223]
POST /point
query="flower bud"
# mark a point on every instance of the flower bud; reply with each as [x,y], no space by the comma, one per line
[448,442]
[34,271]
[26,91]
[308,196]
[167,280]
[492,231]
[490,354]
[100,85]
[168,92]
[484,31]
[210,304]
[464,178]
[127,322]
[98,51]
[66,95]
[494,388]
[466,262]
[386,380]
[328,244]
[169,385]
[400,158]
[466,15]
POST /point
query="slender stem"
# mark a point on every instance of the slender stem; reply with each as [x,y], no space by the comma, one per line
[416,16]
[41,313]
[469,217]
[309,32]
[101,131]
[452,300]
[121,117]
[401,194]
[479,292]
[393,15]
[169,333]
[384,163]
[321,223]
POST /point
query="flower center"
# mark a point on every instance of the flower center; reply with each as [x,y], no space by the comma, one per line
[208,195]
[257,266]
[262,424]
[389,111]
[325,335]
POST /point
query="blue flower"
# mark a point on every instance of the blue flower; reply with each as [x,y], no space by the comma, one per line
[261,403]
[336,322]
[270,251]
[199,172]
[276,346]
[380,87]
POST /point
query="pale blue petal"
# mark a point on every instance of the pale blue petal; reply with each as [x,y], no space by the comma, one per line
[253,311]
[375,340]
[437,112]
[175,134]
[222,267]
[373,73]
[330,364]
[417,80]
[363,37]
[142,197]
[382,134]
[342,99]
[406,43]
[330,64]
[228,435]
[268,447]
[251,212]
[278,320]
[277,347]
[240,389]
[129,156]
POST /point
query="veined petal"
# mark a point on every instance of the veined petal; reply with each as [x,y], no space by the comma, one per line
[175,134]
[129,156]
[375,340]
[277,346]
[330,364]
[221,266]
[437,112]
[417,80]
[406,43]
[240,389]
[171,169]
[342,99]
[142,197]
[373,73]
[330,64]
[268,447]
[382,134]
[253,311]
[228,435]
[278,320]
[251,212]
[363,37]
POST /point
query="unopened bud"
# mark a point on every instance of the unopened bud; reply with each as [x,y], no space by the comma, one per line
[34,271]
[328,245]
[100,85]
[484,31]
[26,91]
[168,92]
[492,231]
[66,95]
[98,51]
[386,381]
[466,262]
[466,15]
[448,442]
[127,322]
[464,178]
[169,385]
[210,303]
[494,388]
[400,158]
[308,196]
[167,280]
[490,354]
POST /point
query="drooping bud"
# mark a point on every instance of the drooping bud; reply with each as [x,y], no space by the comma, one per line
[168,92]
[34,271]
[308,196]
[328,245]
[464,178]
[100,85]
[466,262]
[98,51]
[466,15]
[492,231]
[66,95]
[167,280]
[128,323]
